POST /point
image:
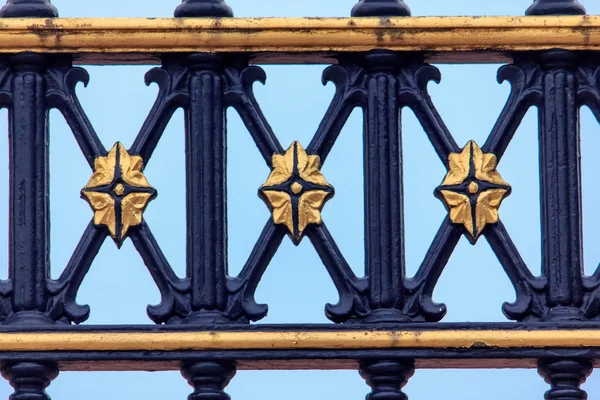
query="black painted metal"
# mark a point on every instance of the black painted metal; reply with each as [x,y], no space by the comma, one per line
[387,378]
[556,7]
[203,8]
[381,8]
[381,83]
[28,9]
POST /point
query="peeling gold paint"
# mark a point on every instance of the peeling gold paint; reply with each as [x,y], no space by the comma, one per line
[289,340]
[298,35]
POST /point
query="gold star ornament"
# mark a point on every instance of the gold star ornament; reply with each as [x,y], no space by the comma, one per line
[118,192]
[473,190]
[296,190]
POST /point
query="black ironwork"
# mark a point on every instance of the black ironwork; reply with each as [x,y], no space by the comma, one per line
[381,83]
[380,8]
[28,9]
[203,8]
[556,7]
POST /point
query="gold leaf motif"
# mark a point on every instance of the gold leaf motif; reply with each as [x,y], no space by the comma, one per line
[131,168]
[460,209]
[104,169]
[132,208]
[104,188]
[459,165]
[309,208]
[485,167]
[104,210]
[309,167]
[464,187]
[283,167]
[286,187]
[281,205]
[486,210]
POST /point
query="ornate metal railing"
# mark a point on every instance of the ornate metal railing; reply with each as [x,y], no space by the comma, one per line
[385,323]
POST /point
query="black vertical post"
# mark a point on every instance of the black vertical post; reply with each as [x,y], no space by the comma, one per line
[28,9]
[29,214]
[380,8]
[206,151]
[384,220]
[561,204]
[203,8]
[206,196]
[562,237]
[384,214]
[556,7]
[29,217]
[560,184]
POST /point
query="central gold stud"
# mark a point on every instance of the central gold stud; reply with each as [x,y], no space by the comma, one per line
[119,189]
[473,187]
[296,187]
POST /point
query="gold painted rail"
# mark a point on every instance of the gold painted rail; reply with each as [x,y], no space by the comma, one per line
[297,40]
[122,350]
[296,340]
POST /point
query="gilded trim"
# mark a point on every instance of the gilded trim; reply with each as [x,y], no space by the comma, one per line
[296,340]
[101,39]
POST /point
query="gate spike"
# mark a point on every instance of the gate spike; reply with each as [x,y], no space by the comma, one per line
[381,8]
[28,9]
[203,8]
[556,7]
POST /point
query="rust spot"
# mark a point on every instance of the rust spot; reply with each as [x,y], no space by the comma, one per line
[585,20]
[384,21]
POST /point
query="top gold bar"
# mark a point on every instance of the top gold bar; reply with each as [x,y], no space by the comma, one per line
[298,40]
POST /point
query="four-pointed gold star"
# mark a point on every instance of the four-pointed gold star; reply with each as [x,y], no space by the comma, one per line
[296,190]
[473,190]
[118,192]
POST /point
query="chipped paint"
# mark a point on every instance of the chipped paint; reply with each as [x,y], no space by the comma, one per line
[290,340]
[297,36]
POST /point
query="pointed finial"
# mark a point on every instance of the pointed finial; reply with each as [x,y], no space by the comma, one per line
[28,9]
[555,7]
[381,8]
[203,8]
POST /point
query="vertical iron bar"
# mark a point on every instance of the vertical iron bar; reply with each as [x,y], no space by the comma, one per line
[561,203]
[29,217]
[29,211]
[384,220]
[206,151]
[384,213]
[560,173]
[562,234]
[203,8]
[555,7]
[380,8]
[28,9]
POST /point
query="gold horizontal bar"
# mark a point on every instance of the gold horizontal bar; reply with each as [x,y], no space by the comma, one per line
[296,340]
[141,40]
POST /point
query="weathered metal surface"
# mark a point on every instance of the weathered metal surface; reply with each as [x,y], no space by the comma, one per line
[386,324]
[120,39]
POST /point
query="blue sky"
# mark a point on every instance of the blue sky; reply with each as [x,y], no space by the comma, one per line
[296,285]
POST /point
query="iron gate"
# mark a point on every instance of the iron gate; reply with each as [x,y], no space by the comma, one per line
[385,324]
